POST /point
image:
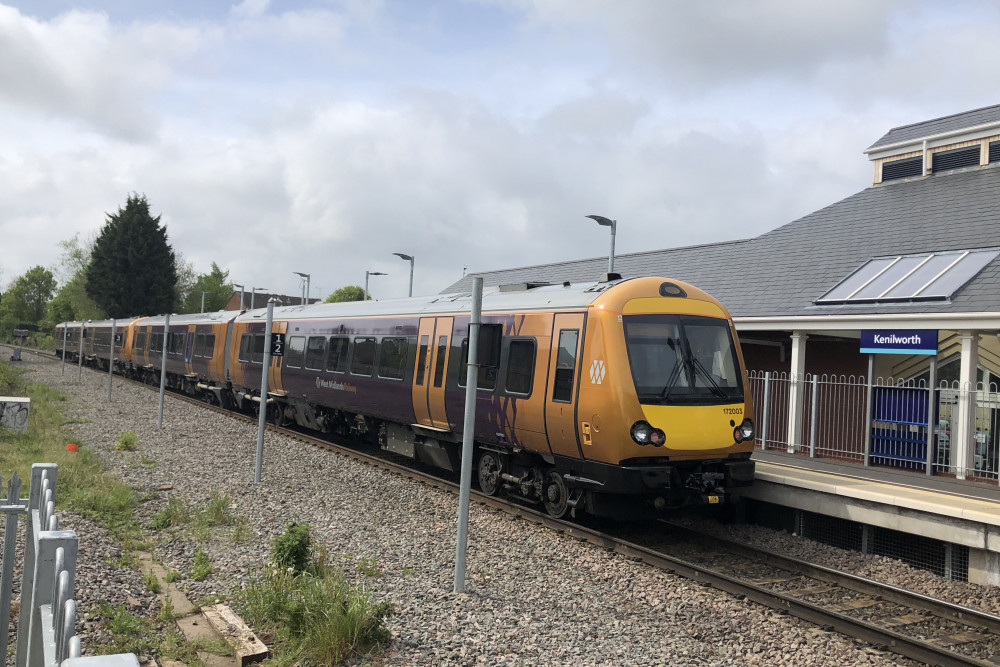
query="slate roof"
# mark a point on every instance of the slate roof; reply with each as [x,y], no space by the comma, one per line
[782,272]
[958,121]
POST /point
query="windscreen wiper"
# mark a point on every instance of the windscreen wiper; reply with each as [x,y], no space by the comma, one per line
[712,384]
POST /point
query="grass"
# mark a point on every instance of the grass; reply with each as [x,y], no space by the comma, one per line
[152,582]
[201,567]
[129,633]
[128,441]
[368,567]
[315,615]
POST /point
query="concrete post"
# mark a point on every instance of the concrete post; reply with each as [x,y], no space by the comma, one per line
[796,390]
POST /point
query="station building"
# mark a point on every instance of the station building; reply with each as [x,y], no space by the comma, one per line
[870,332]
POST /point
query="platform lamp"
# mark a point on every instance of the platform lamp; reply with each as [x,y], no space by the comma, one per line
[305,286]
[410,258]
[371,273]
[613,224]
[241,295]
[253,292]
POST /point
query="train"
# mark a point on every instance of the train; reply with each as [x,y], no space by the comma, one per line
[616,398]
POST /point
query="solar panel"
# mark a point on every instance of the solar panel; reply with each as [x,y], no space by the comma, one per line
[926,276]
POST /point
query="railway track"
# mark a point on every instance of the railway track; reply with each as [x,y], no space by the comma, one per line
[917,626]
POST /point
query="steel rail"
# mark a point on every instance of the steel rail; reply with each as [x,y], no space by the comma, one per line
[880,637]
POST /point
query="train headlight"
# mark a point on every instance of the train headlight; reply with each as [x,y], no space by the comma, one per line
[744,431]
[644,434]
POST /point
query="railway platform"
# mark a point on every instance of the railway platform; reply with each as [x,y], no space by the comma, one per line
[957,513]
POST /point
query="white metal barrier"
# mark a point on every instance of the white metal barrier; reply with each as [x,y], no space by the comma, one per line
[46,635]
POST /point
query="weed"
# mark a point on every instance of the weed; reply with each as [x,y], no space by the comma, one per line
[316,618]
[176,513]
[147,463]
[128,441]
[216,512]
[201,567]
[293,548]
[242,532]
[408,572]
[152,583]
[167,612]
[368,567]
[172,576]
[128,633]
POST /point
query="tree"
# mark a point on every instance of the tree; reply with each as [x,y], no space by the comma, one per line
[132,268]
[216,288]
[186,277]
[71,302]
[347,293]
[26,299]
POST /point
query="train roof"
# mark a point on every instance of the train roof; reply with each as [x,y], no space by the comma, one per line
[215,317]
[503,298]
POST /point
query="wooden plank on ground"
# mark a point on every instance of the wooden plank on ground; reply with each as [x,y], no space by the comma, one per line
[247,646]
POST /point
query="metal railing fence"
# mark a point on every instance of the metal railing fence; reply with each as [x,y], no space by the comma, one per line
[903,424]
[46,622]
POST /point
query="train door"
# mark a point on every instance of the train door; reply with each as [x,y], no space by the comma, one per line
[561,393]
[433,349]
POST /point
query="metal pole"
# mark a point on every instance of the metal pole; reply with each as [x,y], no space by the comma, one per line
[468,433]
[366,285]
[814,428]
[63,366]
[79,372]
[868,411]
[307,288]
[203,301]
[411,276]
[111,359]
[611,257]
[262,418]
[932,421]
[241,298]
[163,369]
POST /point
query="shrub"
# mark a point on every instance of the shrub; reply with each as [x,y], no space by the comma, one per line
[128,441]
[293,548]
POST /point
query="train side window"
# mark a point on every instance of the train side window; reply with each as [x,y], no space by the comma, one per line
[562,389]
[199,345]
[139,343]
[392,358]
[487,376]
[175,343]
[363,360]
[337,361]
[156,342]
[520,364]
[295,351]
[209,346]
[246,348]
[258,349]
[442,351]
[316,352]
[422,360]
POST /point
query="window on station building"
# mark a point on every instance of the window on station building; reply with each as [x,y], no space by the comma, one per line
[956,158]
[904,168]
[923,277]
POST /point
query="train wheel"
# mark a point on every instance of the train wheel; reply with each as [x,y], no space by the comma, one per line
[555,495]
[489,473]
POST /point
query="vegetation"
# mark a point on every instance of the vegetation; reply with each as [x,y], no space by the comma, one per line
[201,567]
[216,288]
[316,616]
[24,303]
[347,293]
[128,441]
[71,303]
[132,268]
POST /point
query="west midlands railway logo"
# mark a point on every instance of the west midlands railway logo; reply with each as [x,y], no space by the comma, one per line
[597,372]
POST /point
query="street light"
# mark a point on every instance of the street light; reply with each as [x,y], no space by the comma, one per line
[613,224]
[203,293]
[253,292]
[305,291]
[241,295]
[410,258]
[371,273]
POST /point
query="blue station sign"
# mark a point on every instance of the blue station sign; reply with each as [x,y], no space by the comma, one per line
[899,341]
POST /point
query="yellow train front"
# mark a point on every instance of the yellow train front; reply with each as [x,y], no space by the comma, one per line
[645,405]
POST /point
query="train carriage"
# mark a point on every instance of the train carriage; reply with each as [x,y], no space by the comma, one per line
[196,350]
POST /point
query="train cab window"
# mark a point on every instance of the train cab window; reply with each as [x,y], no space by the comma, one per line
[295,352]
[392,358]
[337,360]
[363,360]
[487,376]
[562,388]
[442,352]
[422,360]
[520,364]
[315,352]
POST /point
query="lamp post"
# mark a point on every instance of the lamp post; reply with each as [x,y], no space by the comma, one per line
[371,273]
[203,293]
[305,286]
[241,295]
[253,292]
[613,224]
[410,258]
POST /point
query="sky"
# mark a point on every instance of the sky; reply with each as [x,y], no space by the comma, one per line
[321,136]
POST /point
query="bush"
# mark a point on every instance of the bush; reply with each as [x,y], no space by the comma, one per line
[128,441]
[293,548]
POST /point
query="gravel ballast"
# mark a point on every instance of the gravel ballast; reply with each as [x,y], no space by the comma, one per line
[534,597]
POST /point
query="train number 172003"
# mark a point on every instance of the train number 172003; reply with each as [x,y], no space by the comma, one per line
[732,411]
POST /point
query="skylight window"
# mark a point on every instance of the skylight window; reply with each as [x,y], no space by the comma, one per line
[924,277]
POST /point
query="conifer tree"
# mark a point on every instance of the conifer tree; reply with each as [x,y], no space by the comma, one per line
[132,268]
